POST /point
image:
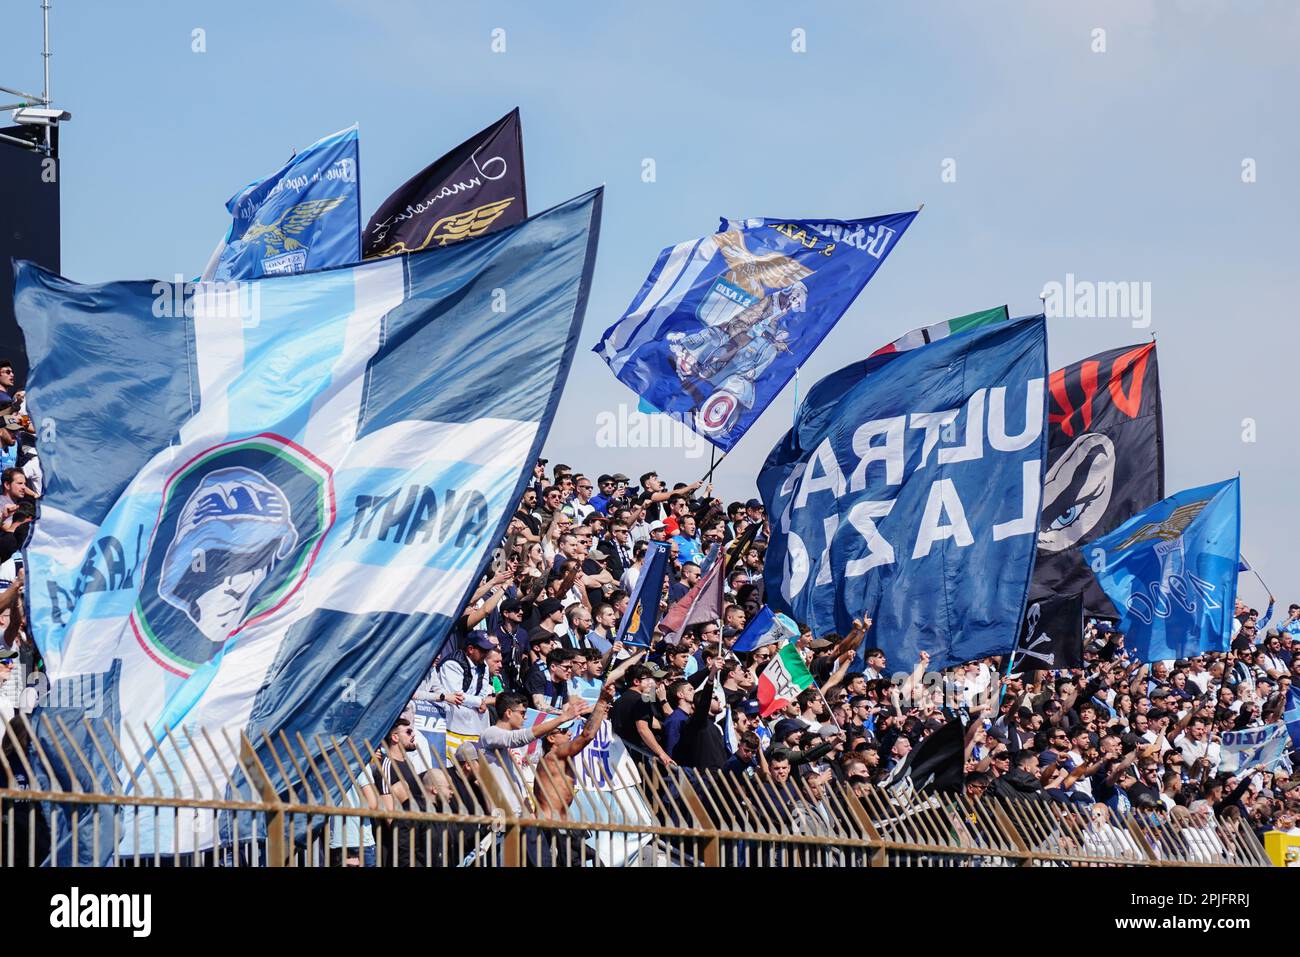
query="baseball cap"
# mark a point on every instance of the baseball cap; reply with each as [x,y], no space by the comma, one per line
[786,727]
[481,640]
[620,477]
[512,605]
[467,752]
[753,503]
[596,555]
[540,634]
[819,643]
[549,606]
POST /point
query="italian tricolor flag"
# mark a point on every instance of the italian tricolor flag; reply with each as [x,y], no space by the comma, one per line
[941,330]
[782,680]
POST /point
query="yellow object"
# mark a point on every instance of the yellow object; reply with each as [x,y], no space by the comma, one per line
[1282,849]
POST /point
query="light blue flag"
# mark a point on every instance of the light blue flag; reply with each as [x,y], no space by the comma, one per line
[1242,750]
[268,501]
[1171,572]
[1292,715]
[722,322]
[306,215]
[767,627]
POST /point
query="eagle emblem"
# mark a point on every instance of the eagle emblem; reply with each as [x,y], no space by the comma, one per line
[1170,529]
[278,237]
[455,227]
[756,274]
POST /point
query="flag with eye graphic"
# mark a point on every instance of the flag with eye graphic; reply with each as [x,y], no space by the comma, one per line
[1105,463]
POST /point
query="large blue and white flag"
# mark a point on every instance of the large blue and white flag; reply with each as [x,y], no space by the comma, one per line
[306,215]
[1171,572]
[266,502]
[911,496]
[722,322]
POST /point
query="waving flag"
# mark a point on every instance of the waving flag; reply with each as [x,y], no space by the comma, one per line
[1051,638]
[1105,461]
[1291,716]
[475,189]
[767,628]
[781,681]
[911,496]
[1171,571]
[1243,750]
[642,615]
[304,478]
[722,322]
[307,215]
[702,603]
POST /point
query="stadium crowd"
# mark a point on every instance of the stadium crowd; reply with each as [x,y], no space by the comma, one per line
[1120,735]
[540,632]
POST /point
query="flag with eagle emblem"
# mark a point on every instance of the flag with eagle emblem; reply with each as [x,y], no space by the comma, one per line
[266,505]
[1171,571]
[306,215]
[722,323]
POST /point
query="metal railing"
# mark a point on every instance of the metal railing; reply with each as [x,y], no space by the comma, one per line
[195,798]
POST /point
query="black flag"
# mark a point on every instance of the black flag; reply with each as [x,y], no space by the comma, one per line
[476,188]
[1105,463]
[938,763]
[1051,636]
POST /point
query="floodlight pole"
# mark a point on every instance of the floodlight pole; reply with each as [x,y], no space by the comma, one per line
[45,56]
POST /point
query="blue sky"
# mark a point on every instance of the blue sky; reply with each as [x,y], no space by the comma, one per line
[1117,166]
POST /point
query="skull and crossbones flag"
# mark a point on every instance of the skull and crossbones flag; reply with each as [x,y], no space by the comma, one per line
[1051,636]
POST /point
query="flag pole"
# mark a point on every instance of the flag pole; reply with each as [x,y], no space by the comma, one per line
[714,461]
[1268,590]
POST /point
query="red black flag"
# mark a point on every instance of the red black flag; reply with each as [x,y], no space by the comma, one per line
[475,189]
[1105,462]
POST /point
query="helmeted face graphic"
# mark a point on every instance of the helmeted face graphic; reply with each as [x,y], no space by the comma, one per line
[233,530]
[1076,492]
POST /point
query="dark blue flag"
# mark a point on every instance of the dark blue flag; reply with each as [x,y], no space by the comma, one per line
[642,615]
[1171,571]
[911,497]
[722,322]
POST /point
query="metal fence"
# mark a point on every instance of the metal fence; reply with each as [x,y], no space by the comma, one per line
[194,798]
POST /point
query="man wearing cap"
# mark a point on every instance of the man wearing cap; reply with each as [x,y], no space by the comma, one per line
[754,515]
[468,674]
[549,613]
[633,714]
[511,640]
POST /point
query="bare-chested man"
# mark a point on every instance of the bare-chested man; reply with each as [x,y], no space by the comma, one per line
[553,789]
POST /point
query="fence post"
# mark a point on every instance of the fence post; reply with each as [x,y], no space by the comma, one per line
[712,851]
[512,844]
[277,854]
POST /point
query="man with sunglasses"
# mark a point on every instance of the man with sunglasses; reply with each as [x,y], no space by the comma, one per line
[580,507]
[549,689]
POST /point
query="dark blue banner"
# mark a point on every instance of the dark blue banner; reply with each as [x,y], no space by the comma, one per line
[911,495]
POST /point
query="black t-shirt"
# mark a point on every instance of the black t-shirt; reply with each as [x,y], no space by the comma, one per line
[626,712]
[391,772]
